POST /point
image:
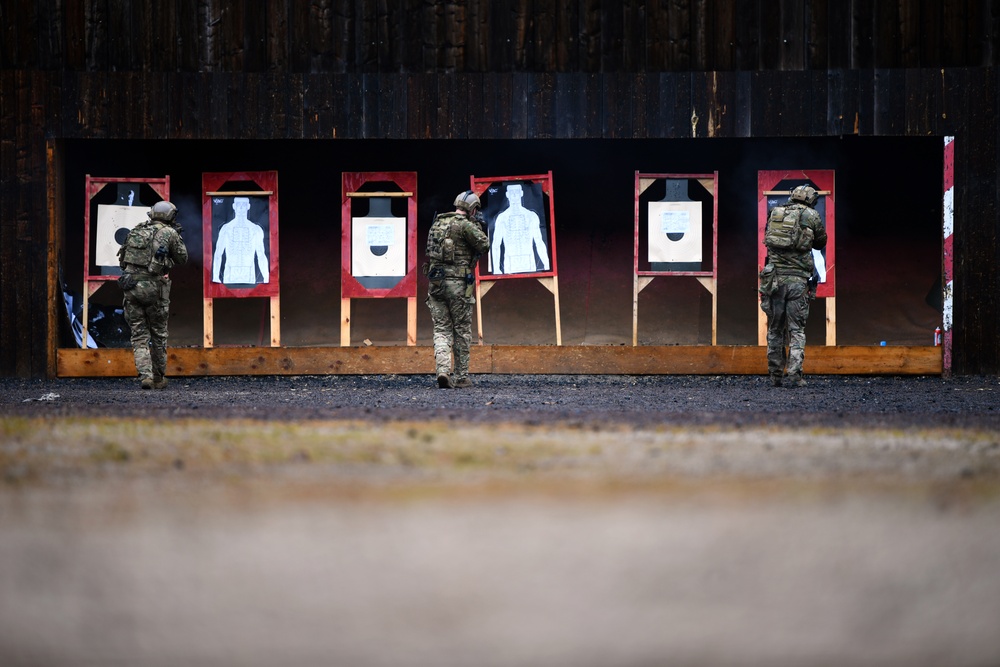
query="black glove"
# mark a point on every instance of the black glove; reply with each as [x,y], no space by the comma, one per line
[127,281]
[478,218]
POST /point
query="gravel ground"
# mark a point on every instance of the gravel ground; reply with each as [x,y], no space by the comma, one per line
[542,520]
[965,402]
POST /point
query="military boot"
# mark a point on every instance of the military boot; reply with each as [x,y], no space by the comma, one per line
[796,381]
[444,381]
[146,383]
[775,379]
[462,383]
[159,382]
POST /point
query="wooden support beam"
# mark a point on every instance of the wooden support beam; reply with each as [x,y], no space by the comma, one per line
[505,359]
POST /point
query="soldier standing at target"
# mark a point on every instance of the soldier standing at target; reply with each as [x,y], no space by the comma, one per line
[150,250]
[787,284]
[454,244]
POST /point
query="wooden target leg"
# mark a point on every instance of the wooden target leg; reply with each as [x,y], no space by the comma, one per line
[209,324]
[345,322]
[275,321]
[411,320]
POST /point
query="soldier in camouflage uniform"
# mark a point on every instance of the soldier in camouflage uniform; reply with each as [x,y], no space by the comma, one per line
[786,288]
[149,251]
[454,244]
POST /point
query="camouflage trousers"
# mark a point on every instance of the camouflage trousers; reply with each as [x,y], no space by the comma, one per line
[147,307]
[451,312]
[787,311]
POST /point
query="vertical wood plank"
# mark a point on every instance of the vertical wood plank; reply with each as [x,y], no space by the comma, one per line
[590,35]
[743,121]
[722,28]
[641,111]
[702,36]
[886,31]
[541,106]
[9,120]
[863,34]
[675,105]
[865,120]
[792,46]
[498,103]
[982,217]
[187,34]
[546,36]
[612,38]
[617,106]
[567,42]
[890,102]
[837,23]
[842,102]
[909,34]
[747,48]
[770,36]
[818,37]
[519,105]
[679,44]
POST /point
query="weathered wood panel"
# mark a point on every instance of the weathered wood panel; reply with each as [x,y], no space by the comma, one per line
[369,36]
[500,359]
[417,69]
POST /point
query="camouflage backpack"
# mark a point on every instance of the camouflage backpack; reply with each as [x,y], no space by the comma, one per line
[140,246]
[785,231]
[440,240]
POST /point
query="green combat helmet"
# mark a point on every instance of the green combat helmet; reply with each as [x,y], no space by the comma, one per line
[468,201]
[804,194]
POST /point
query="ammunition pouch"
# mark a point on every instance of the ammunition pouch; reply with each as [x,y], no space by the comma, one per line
[768,280]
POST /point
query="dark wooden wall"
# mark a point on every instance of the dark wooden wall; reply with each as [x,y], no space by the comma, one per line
[429,36]
[520,69]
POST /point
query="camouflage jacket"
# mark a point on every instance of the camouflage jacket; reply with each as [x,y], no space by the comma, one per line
[469,241]
[800,264]
[142,261]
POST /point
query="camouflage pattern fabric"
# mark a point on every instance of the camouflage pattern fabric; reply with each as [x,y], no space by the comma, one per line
[787,311]
[787,308]
[797,263]
[451,312]
[449,296]
[147,308]
[147,305]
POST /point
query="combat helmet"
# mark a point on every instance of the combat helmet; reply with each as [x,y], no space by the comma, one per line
[805,194]
[467,201]
[163,210]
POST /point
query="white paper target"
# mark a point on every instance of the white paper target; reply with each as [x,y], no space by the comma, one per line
[113,224]
[674,231]
[378,247]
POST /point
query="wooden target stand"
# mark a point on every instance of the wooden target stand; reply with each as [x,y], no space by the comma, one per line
[219,208]
[708,279]
[549,279]
[380,279]
[773,189]
[95,281]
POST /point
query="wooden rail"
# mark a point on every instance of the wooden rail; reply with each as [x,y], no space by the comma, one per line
[504,359]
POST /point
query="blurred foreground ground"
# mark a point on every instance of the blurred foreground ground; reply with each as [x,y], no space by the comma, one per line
[546,520]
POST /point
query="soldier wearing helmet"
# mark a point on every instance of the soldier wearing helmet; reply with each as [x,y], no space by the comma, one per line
[454,244]
[150,250]
[793,231]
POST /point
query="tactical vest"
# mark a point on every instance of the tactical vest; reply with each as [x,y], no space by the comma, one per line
[447,228]
[785,230]
[140,247]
